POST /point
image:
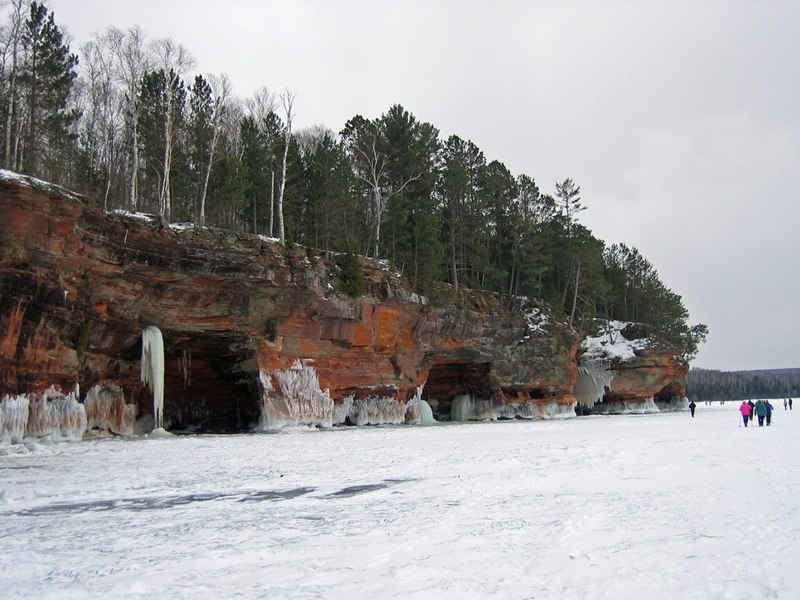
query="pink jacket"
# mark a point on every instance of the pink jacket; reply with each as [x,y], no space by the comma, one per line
[746,409]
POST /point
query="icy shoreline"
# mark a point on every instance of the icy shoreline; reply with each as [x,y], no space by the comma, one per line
[656,507]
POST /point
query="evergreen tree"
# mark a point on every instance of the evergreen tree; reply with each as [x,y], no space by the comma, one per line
[333,215]
[46,80]
[261,138]
[207,109]
[156,102]
[531,255]
[465,232]
[411,240]
[637,294]
[568,197]
[500,190]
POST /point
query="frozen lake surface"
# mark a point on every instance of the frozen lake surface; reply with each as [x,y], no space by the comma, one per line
[650,506]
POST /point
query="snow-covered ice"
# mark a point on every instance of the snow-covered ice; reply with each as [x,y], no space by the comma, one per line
[640,506]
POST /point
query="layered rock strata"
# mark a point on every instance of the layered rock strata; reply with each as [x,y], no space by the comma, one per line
[237,312]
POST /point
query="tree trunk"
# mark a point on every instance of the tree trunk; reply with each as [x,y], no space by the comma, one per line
[575,292]
[288,99]
[207,173]
[165,202]
[134,198]
[378,210]
[453,265]
[11,152]
[272,204]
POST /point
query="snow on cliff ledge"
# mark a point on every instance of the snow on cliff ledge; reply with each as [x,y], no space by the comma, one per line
[611,344]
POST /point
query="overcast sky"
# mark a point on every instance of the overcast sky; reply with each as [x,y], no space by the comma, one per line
[679,120]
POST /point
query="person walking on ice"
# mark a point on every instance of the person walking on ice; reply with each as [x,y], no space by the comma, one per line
[692,406]
[746,411]
[761,412]
[768,411]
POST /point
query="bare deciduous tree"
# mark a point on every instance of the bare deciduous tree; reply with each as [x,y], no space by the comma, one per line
[176,61]
[10,49]
[287,100]
[221,86]
[132,62]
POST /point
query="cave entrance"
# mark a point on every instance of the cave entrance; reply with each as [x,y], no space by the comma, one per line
[210,383]
[670,397]
[449,378]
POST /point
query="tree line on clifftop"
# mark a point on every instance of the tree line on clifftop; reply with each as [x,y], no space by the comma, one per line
[128,126]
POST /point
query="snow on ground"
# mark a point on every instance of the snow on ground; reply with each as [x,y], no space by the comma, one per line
[651,506]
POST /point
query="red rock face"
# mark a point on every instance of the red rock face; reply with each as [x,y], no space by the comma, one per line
[653,374]
[77,287]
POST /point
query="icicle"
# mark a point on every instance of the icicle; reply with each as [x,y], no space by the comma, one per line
[554,410]
[594,377]
[342,410]
[383,410]
[40,422]
[13,418]
[68,417]
[461,408]
[621,407]
[153,370]
[294,399]
[106,410]
[185,363]
[465,407]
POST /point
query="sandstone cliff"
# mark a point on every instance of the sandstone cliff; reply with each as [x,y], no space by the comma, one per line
[249,324]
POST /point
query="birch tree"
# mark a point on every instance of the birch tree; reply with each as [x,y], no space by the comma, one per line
[133,60]
[210,103]
[103,112]
[365,144]
[175,61]
[10,50]
[287,100]
[260,127]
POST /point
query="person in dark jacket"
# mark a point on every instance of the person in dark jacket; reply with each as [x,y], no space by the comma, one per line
[761,412]
[768,408]
[692,406]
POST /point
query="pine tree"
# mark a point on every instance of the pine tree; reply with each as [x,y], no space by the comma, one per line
[47,76]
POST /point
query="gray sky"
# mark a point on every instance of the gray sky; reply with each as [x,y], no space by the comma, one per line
[679,120]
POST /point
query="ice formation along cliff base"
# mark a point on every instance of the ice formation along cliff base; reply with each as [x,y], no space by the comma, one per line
[49,414]
[293,397]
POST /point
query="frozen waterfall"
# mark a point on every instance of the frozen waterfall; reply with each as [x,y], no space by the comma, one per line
[426,413]
[153,370]
[594,376]
[460,409]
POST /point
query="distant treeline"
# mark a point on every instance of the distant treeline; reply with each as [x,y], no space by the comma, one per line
[709,385]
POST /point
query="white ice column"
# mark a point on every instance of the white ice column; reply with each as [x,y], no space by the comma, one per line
[153,370]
